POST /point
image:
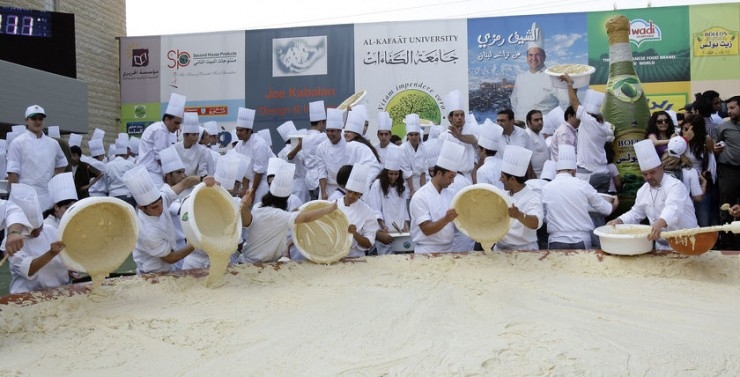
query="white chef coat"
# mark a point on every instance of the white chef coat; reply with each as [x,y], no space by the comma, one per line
[99,188]
[51,275]
[670,201]
[155,138]
[52,220]
[359,153]
[195,159]
[114,172]
[519,237]
[11,214]
[468,159]
[534,91]
[329,158]
[540,151]
[390,208]
[567,201]
[592,135]
[364,219]
[429,205]
[300,190]
[310,160]
[565,134]
[259,154]
[157,237]
[414,163]
[266,237]
[517,137]
[490,172]
[34,160]
[461,242]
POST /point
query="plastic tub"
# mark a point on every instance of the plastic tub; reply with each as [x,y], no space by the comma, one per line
[580,79]
[482,212]
[624,239]
[325,240]
[210,215]
[402,243]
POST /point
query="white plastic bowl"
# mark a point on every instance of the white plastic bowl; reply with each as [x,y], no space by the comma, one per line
[579,79]
[325,240]
[624,239]
[482,212]
[210,212]
[402,243]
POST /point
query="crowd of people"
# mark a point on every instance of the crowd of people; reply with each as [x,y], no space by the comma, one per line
[560,185]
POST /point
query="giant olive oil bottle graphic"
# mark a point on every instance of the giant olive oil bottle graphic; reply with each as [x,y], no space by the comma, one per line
[625,106]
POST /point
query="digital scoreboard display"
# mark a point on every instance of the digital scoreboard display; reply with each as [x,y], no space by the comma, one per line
[25,22]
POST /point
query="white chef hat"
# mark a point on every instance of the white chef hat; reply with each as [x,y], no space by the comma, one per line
[453,101]
[286,129]
[355,122]
[141,185]
[176,105]
[566,157]
[282,184]
[334,119]
[592,101]
[112,150]
[98,134]
[266,136]
[385,123]
[123,137]
[362,111]
[553,120]
[677,146]
[245,118]
[392,159]
[35,110]
[549,170]
[211,127]
[489,135]
[273,166]
[75,139]
[171,160]
[412,123]
[357,181]
[133,143]
[435,131]
[316,111]
[646,155]
[25,197]
[190,123]
[121,146]
[62,187]
[539,38]
[516,160]
[450,156]
[53,131]
[228,170]
[96,147]
[432,147]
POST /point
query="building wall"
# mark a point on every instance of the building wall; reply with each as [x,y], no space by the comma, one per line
[97,25]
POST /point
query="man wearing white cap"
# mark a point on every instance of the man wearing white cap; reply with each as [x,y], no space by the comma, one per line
[680,167]
[331,154]
[157,137]
[268,222]
[592,135]
[460,132]
[133,149]
[155,249]
[33,157]
[540,150]
[533,88]
[432,229]
[37,264]
[567,202]
[256,149]
[414,158]
[194,156]
[488,168]
[363,223]
[662,199]
[359,149]
[385,124]
[526,208]
[97,186]
[114,171]
[314,136]
[292,153]
[387,197]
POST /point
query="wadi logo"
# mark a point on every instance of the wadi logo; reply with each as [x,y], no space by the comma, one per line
[140,57]
[644,31]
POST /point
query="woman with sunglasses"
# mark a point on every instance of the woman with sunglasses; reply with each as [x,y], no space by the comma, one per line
[659,130]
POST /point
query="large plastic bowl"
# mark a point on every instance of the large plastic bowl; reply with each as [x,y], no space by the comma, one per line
[99,233]
[580,79]
[209,215]
[624,239]
[482,212]
[325,240]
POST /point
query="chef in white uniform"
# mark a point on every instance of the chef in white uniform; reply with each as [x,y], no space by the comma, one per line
[489,167]
[195,157]
[37,265]
[64,194]
[462,131]
[363,223]
[331,154]
[256,149]
[385,125]
[33,158]
[157,136]
[432,229]
[414,159]
[98,184]
[291,152]
[663,199]
[389,205]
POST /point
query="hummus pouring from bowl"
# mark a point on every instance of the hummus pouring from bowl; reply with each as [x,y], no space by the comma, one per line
[99,234]
[482,213]
[324,240]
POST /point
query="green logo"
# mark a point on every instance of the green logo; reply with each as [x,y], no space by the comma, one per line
[185,216]
[626,88]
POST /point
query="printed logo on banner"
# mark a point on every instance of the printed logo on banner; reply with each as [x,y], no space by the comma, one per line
[716,41]
[304,56]
[644,31]
[140,57]
[178,59]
